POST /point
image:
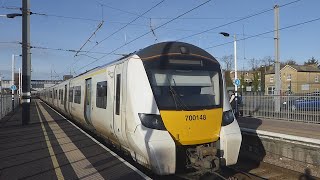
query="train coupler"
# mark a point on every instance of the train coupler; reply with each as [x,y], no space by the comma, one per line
[203,158]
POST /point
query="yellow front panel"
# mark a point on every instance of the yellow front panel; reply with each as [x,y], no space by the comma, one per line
[193,127]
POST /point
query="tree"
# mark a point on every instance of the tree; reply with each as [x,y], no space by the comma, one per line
[311,61]
[243,82]
[255,81]
[263,70]
[267,61]
[229,82]
[291,62]
[254,63]
[228,62]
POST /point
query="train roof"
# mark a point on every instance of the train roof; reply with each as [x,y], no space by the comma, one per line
[173,47]
[163,48]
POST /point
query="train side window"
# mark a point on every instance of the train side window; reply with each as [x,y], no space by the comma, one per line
[71,94]
[77,94]
[101,95]
[56,95]
[118,94]
[61,96]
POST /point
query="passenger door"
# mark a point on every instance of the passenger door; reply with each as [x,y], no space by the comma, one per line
[61,97]
[117,116]
[87,101]
[65,97]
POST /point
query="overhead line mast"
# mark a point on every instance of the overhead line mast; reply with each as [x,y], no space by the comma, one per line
[26,62]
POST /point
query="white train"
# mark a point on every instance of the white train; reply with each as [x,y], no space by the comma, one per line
[166,105]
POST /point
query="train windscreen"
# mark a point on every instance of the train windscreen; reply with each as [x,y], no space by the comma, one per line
[182,84]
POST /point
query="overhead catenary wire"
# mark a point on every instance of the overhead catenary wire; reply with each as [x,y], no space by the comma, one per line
[12,42]
[267,32]
[121,10]
[230,42]
[111,22]
[88,40]
[65,17]
[177,17]
[10,8]
[198,18]
[238,20]
[126,25]
[68,50]
[115,32]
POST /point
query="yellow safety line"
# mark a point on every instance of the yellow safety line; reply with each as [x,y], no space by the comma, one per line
[51,152]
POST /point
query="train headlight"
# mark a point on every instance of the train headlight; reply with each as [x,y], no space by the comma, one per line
[152,121]
[227,118]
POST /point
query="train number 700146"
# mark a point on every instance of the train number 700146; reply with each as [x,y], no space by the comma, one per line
[195,117]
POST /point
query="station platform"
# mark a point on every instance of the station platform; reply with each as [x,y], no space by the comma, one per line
[51,147]
[298,129]
[286,144]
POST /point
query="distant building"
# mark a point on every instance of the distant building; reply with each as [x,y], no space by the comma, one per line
[294,79]
[36,85]
[66,77]
[5,86]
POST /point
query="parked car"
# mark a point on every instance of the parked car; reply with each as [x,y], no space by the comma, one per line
[316,93]
[288,93]
[307,103]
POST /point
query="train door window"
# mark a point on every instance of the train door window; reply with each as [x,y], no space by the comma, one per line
[56,95]
[61,96]
[77,94]
[50,94]
[101,95]
[71,94]
[118,94]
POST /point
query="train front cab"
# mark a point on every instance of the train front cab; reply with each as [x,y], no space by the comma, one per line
[179,99]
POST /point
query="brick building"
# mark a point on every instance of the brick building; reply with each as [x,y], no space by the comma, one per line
[294,79]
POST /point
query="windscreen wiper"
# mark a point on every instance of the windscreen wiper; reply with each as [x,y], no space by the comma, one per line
[176,98]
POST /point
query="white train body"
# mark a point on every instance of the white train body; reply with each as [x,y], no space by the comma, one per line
[123,103]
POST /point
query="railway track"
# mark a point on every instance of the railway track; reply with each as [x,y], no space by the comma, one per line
[243,171]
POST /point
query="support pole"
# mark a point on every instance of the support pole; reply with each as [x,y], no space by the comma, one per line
[26,62]
[235,74]
[277,61]
[12,83]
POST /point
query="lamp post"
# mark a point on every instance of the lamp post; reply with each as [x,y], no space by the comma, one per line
[12,15]
[12,83]
[235,68]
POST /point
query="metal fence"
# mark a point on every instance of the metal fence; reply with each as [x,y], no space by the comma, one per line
[300,108]
[6,104]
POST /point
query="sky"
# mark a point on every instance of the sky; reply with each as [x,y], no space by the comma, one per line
[68,24]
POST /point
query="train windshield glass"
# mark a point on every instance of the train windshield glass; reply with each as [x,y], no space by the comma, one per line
[181,88]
